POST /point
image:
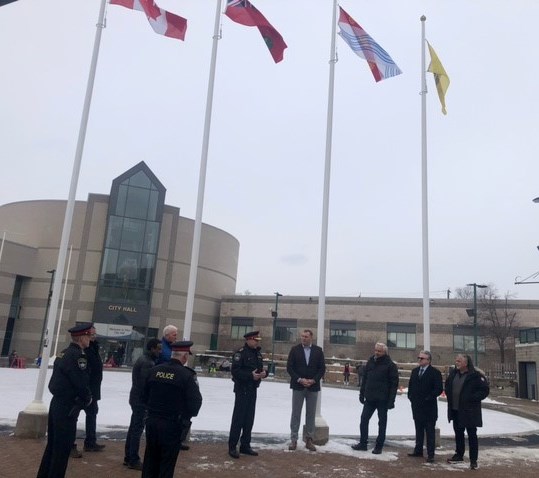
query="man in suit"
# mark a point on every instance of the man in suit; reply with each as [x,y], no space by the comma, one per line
[306,366]
[424,387]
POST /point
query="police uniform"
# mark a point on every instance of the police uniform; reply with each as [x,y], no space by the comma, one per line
[70,390]
[245,361]
[172,398]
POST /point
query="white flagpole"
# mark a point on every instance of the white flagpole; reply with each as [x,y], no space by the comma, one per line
[189,306]
[322,429]
[63,302]
[424,193]
[37,406]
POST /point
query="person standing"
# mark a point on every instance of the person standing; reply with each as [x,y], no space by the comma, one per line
[465,388]
[95,368]
[139,375]
[423,390]
[170,334]
[306,366]
[70,388]
[346,373]
[172,398]
[377,393]
[247,373]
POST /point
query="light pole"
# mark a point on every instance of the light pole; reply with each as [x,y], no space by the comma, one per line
[473,313]
[274,314]
[46,311]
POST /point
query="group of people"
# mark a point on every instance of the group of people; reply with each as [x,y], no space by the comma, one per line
[165,396]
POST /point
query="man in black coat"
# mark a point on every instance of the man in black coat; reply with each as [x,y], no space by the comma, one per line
[377,393]
[306,366]
[70,390]
[139,375]
[172,397]
[423,389]
[465,387]
[247,373]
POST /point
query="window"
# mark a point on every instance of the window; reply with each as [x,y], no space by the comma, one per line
[463,339]
[401,336]
[240,326]
[286,330]
[529,336]
[343,333]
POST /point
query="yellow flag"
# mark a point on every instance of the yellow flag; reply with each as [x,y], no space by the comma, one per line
[440,76]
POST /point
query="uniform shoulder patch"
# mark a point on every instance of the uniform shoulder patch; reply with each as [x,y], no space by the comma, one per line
[82,363]
[237,357]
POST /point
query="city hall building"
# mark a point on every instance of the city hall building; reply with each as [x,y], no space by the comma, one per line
[129,260]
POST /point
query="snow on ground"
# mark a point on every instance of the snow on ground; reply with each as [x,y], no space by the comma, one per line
[340,408]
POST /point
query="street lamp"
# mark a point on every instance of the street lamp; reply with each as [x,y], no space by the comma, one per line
[473,313]
[274,314]
[46,311]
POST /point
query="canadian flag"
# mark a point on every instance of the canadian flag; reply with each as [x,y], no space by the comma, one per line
[162,22]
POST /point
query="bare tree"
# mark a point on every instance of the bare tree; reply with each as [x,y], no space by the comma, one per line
[497,319]
[464,293]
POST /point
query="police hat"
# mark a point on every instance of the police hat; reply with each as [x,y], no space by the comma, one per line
[84,328]
[255,334]
[182,346]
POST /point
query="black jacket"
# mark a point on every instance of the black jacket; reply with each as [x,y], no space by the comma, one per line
[70,378]
[172,392]
[95,366]
[380,380]
[139,376]
[474,389]
[245,361]
[297,367]
[423,393]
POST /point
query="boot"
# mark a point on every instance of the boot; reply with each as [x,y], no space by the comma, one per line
[310,445]
[293,445]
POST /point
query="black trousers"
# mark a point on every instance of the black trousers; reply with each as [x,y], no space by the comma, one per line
[61,432]
[162,447]
[460,444]
[243,418]
[425,427]
[368,409]
[136,427]
[91,424]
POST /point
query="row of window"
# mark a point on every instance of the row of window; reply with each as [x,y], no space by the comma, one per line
[401,336]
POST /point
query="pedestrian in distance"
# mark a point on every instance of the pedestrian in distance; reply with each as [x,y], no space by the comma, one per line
[247,373]
[465,388]
[95,369]
[377,393]
[70,388]
[172,398]
[423,390]
[139,376]
[346,373]
[170,335]
[306,366]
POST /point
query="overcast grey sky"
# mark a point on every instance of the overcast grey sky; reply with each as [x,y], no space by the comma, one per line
[266,158]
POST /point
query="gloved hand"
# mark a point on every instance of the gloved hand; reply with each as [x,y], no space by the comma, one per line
[361,398]
[391,405]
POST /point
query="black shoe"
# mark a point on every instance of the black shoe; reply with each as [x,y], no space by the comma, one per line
[137,465]
[95,447]
[248,451]
[473,465]
[430,459]
[126,462]
[455,459]
[233,453]
[359,447]
[184,447]
[377,450]
[416,454]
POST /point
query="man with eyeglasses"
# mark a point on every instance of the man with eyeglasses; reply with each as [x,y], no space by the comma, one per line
[423,390]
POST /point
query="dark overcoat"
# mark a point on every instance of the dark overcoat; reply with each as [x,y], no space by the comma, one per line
[423,393]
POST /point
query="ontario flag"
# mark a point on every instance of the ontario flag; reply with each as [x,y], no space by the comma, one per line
[380,63]
[245,13]
[162,22]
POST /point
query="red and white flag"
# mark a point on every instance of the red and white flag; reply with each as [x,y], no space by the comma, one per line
[162,22]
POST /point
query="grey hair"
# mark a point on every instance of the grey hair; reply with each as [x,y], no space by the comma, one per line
[169,328]
[428,354]
[381,344]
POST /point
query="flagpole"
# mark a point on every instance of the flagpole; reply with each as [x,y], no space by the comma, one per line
[322,429]
[63,302]
[424,193]
[189,306]
[37,407]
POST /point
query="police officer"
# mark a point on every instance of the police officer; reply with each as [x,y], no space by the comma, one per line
[247,372]
[70,390]
[172,397]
